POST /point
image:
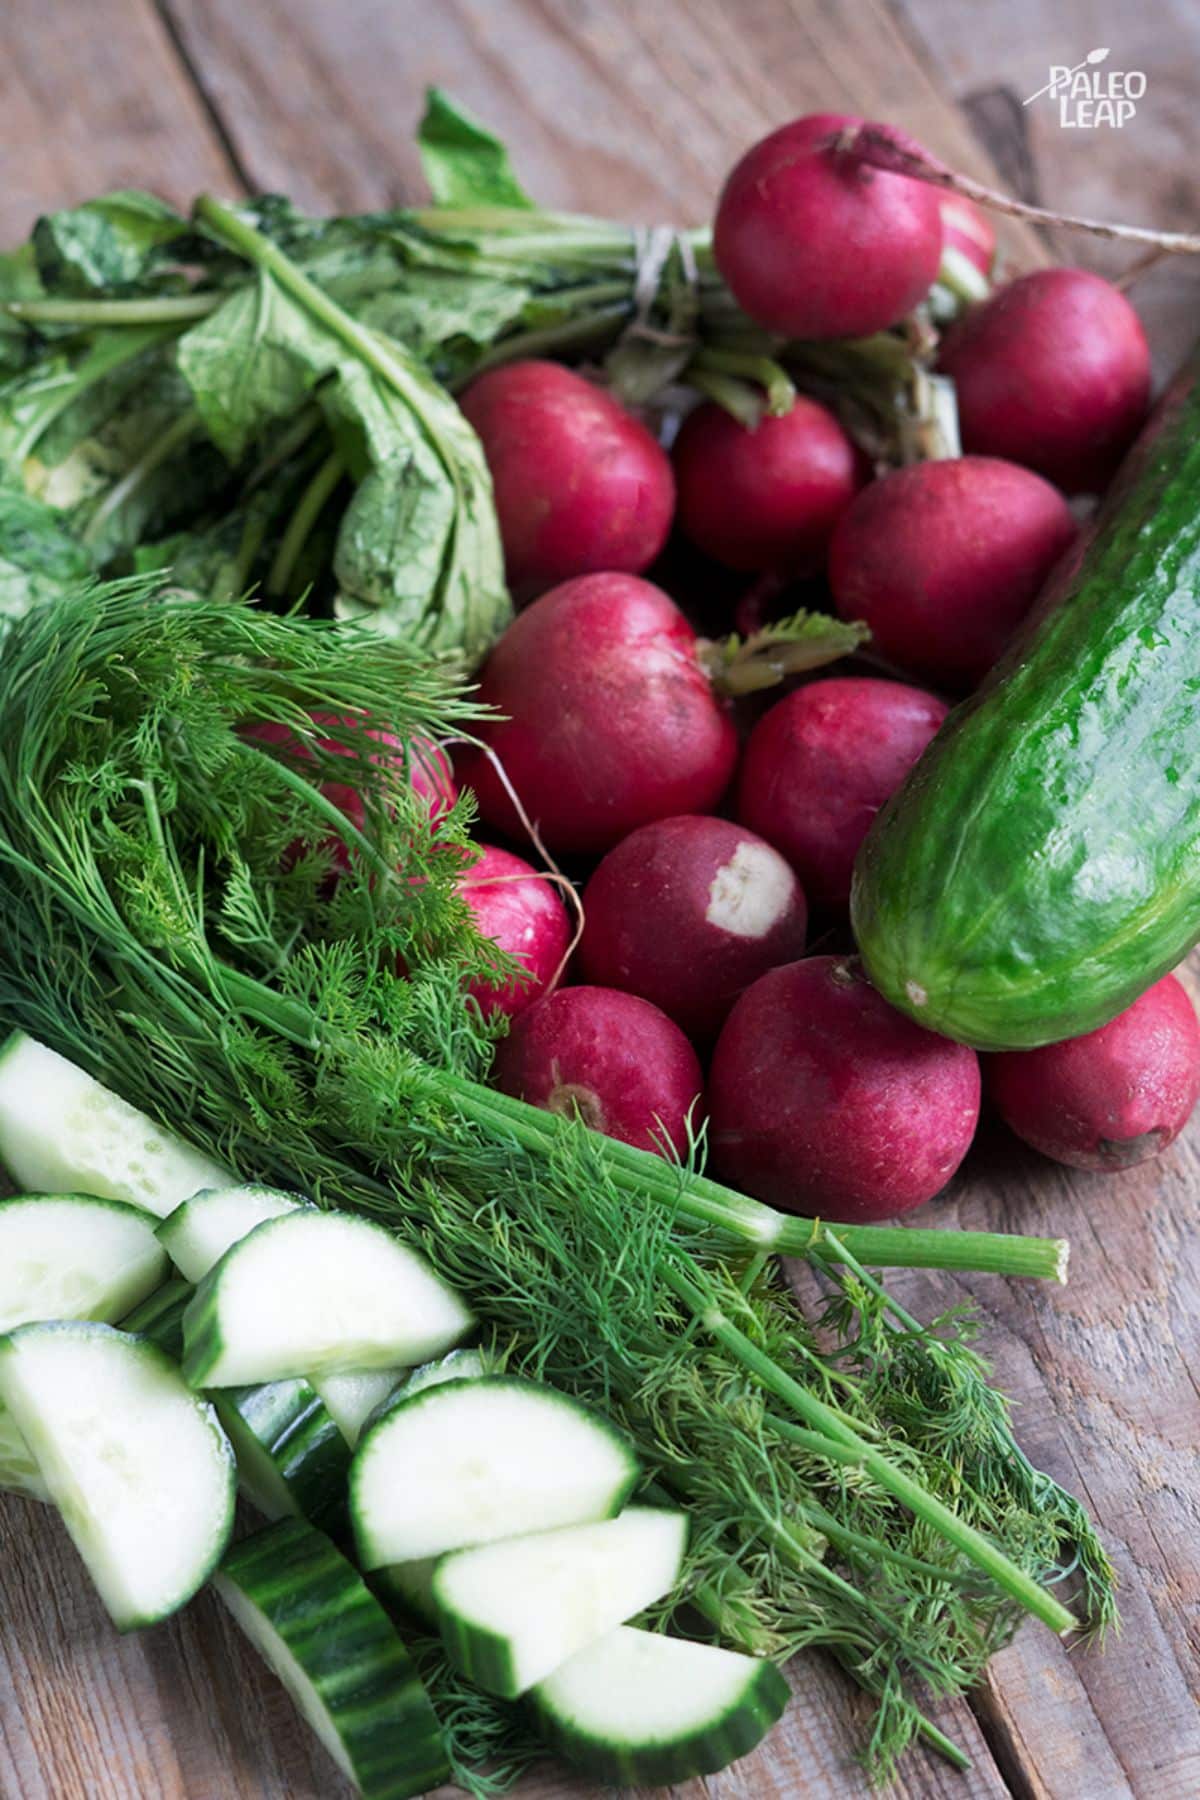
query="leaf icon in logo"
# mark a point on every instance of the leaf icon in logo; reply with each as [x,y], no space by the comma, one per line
[1098,56]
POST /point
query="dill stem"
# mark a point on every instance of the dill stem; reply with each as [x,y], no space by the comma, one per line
[751,1222]
[827,1434]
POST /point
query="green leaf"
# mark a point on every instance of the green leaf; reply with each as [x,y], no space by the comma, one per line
[463,163]
[40,560]
[252,363]
[107,245]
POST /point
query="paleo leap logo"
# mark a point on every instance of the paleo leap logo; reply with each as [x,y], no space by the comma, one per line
[1088,97]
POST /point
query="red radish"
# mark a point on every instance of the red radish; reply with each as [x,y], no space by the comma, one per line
[429,772]
[580,484]
[1112,1098]
[616,1060]
[521,911]
[687,913]
[767,498]
[820,764]
[1054,372]
[944,559]
[815,244]
[824,1099]
[609,719]
[967,231]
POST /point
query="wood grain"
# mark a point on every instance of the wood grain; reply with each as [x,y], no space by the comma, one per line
[637,110]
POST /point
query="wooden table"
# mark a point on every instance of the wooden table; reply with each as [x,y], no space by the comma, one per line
[636,108]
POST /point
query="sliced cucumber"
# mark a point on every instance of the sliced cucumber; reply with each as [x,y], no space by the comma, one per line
[67,1256]
[406,1589]
[466,1462]
[62,1133]
[512,1613]
[71,1256]
[200,1230]
[292,1459]
[353,1397]
[160,1317]
[19,1473]
[314,1621]
[638,1709]
[460,1365]
[316,1292]
[138,1466]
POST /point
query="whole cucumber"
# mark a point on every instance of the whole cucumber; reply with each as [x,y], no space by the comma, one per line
[1041,865]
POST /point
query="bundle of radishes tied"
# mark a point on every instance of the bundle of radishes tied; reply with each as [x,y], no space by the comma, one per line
[238,781]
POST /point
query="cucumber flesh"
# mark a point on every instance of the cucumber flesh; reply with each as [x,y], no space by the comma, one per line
[312,1293]
[71,1256]
[460,1365]
[468,1462]
[511,1613]
[136,1464]
[352,1397]
[200,1230]
[62,1133]
[639,1709]
[67,1256]
[316,1624]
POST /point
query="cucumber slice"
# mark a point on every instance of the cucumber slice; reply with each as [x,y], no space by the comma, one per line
[19,1473]
[313,1620]
[199,1232]
[467,1462]
[137,1465]
[638,1709]
[315,1292]
[292,1460]
[460,1365]
[71,1256]
[512,1613]
[353,1397]
[160,1317]
[67,1256]
[62,1133]
[406,1589]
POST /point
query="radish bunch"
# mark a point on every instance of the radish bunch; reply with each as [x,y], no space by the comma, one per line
[701,833]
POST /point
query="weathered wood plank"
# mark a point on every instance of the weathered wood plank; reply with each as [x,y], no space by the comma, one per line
[94,97]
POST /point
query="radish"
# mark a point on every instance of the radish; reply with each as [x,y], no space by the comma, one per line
[429,772]
[522,912]
[687,913]
[967,232]
[767,498]
[1113,1097]
[617,1061]
[820,764]
[824,1099]
[944,559]
[580,485]
[1054,372]
[609,720]
[815,244]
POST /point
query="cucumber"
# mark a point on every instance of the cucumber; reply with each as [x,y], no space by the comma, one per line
[292,1460]
[316,1292]
[639,1709]
[1040,868]
[199,1231]
[72,1256]
[62,1133]
[138,1466]
[511,1613]
[406,1590]
[467,1462]
[313,1620]
[67,1256]
[459,1365]
[353,1397]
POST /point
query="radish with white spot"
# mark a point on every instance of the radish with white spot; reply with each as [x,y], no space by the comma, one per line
[686,913]
[522,912]
[615,1061]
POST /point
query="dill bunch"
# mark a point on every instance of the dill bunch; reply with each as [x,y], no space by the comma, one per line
[167,922]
